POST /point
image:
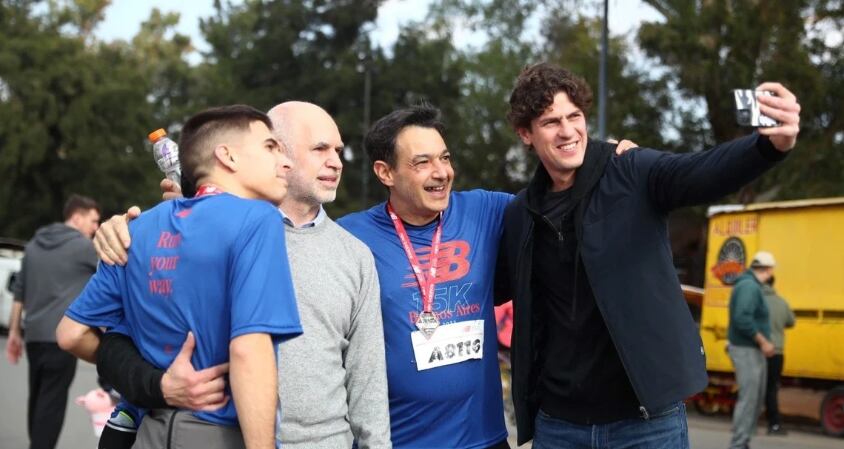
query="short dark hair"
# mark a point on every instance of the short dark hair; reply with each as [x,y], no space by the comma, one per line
[197,140]
[380,140]
[536,87]
[78,203]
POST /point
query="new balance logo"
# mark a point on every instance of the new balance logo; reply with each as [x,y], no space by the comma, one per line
[452,262]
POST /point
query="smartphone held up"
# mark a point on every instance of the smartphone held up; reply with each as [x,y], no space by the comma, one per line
[747,108]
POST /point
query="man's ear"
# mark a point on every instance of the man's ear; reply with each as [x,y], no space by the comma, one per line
[75,219]
[226,157]
[525,135]
[384,173]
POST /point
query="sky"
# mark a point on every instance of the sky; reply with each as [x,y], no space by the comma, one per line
[123,18]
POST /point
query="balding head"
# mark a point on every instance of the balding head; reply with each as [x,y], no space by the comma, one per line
[294,120]
[313,141]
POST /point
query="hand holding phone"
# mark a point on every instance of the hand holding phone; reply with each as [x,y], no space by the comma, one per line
[747,109]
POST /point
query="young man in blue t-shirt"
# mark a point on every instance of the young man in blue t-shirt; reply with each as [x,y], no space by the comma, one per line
[207,265]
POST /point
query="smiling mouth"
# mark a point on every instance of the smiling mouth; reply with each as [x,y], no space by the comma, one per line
[327,178]
[568,147]
[435,189]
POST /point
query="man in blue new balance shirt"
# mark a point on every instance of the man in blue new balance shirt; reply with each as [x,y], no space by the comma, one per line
[207,265]
[444,390]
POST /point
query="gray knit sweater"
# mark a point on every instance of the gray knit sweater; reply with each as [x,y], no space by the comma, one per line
[332,379]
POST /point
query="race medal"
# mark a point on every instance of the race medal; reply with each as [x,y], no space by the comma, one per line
[427,323]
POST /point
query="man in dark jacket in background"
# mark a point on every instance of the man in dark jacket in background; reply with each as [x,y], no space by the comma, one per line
[749,334]
[57,264]
[603,343]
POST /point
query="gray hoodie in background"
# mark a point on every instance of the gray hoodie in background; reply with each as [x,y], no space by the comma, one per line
[57,264]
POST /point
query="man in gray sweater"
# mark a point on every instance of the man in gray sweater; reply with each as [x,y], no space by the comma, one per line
[332,379]
[332,382]
[57,264]
[781,317]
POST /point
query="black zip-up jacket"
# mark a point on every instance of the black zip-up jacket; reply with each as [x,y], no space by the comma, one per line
[622,232]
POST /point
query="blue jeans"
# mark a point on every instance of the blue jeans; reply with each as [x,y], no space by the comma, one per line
[665,430]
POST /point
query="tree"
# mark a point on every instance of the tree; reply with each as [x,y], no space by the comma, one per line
[263,53]
[712,47]
[73,117]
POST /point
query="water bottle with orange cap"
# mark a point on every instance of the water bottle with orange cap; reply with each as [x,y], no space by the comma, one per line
[166,154]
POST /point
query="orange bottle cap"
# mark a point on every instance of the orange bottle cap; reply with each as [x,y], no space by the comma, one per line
[157,134]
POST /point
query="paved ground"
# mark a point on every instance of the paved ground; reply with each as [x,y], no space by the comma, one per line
[705,432]
[77,432]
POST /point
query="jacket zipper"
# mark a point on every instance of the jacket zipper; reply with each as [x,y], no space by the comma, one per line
[560,238]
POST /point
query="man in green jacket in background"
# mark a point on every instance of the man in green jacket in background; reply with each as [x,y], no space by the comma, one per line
[749,334]
[782,317]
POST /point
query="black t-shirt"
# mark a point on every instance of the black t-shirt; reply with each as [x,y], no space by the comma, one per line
[582,379]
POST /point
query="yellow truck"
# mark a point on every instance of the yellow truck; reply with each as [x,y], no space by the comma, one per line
[807,240]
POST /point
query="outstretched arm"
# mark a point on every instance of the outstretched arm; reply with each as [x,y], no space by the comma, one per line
[677,180]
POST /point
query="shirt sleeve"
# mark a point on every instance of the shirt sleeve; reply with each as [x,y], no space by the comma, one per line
[497,208]
[100,304]
[261,287]
[743,319]
[686,179]
[366,370]
[18,286]
[790,318]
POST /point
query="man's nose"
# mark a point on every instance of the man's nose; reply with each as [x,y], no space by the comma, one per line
[334,161]
[566,129]
[284,161]
[439,170]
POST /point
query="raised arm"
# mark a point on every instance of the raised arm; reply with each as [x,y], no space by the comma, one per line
[677,180]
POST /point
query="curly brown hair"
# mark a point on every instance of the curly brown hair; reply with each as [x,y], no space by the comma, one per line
[536,87]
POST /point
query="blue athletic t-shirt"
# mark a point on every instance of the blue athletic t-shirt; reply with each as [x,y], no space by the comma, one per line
[454,406]
[215,265]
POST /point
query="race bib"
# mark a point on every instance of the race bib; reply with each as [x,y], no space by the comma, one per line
[450,344]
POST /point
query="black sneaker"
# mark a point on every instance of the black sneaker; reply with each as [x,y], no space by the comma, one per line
[776,429]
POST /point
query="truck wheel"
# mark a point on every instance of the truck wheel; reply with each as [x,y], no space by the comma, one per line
[832,412]
[706,406]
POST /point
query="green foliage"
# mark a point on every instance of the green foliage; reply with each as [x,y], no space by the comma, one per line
[712,47]
[74,111]
[636,97]
[263,53]
[72,119]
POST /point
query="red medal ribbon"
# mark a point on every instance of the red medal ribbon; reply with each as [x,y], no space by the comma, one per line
[207,189]
[426,287]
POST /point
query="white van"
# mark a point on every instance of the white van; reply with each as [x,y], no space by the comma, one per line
[11,254]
